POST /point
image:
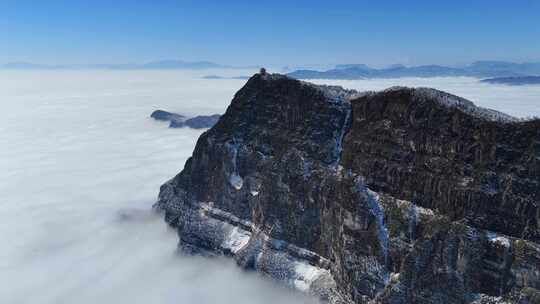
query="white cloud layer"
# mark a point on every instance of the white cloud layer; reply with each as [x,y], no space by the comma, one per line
[81,164]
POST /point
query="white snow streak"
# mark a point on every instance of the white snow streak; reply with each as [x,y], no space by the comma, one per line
[235,179]
[498,239]
[306,274]
[237,239]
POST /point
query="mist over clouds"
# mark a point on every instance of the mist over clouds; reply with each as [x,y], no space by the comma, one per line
[81,164]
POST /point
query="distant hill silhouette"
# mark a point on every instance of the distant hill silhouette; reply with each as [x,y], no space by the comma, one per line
[524,80]
[480,69]
[163,64]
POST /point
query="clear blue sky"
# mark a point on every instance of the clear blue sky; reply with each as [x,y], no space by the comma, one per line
[270,32]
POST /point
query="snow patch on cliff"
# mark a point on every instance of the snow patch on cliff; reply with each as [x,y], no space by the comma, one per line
[235,179]
[413,220]
[498,239]
[209,209]
[447,100]
[236,239]
[463,104]
[481,298]
[339,139]
[305,274]
[277,258]
[377,210]
[334,94]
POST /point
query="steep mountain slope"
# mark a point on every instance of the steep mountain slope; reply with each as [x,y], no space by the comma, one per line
[400,196]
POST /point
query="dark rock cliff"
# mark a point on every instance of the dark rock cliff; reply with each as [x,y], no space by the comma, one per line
[400,196]
[180,121]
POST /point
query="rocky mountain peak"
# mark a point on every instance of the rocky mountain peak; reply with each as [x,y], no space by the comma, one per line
[406,195]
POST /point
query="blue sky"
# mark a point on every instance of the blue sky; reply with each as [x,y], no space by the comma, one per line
[270,32]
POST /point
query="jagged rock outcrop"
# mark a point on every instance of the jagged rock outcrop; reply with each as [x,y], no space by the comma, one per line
[180,121]
[166,116]
[197,122]
[400,196]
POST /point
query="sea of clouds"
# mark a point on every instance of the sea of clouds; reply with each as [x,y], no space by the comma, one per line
[81,164]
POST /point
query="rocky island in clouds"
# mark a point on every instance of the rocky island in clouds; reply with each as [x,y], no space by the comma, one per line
[400,196]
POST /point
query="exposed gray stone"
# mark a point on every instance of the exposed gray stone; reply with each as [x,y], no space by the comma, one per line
[180,121]
[400,196]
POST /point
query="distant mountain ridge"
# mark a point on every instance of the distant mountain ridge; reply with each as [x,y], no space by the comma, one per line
[479,69]
[162,65]
[524,80]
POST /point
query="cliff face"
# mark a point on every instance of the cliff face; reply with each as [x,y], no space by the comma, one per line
[401,196]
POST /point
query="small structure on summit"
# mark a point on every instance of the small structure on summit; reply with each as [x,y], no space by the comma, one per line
[262,71]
